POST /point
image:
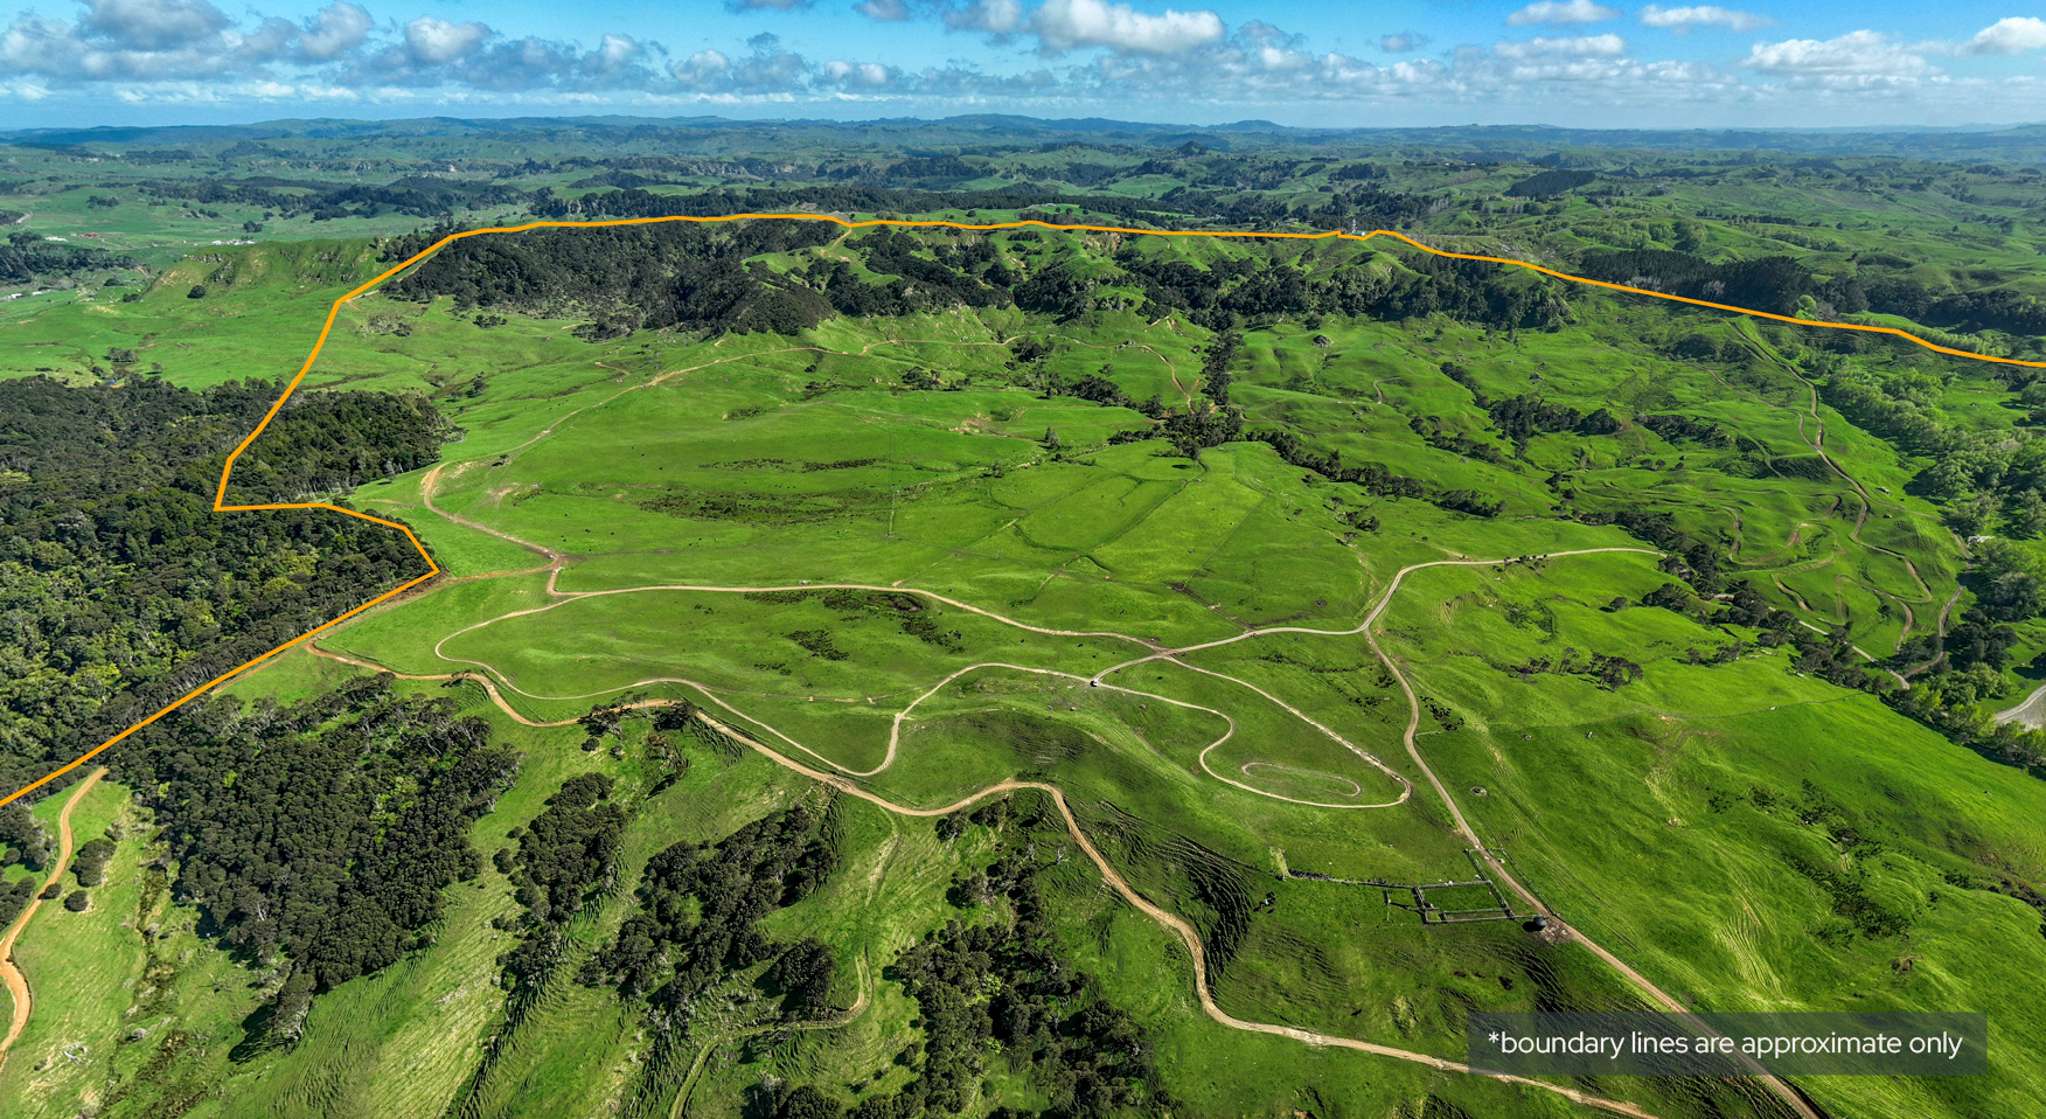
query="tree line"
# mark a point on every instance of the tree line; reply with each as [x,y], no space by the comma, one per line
[120,588]
[996,984]
[27,258]
[695,927]
[419,196]
[706,278]
[566,858]
[317,837]
[1957,674]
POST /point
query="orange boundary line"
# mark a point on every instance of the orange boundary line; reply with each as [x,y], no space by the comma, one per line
[432,569]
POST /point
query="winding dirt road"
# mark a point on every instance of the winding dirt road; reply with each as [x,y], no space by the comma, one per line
[10,972]
[842,778]
[221,505]
[1187,935]
[495,681]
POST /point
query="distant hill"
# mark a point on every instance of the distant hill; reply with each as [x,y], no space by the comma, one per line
[729,136]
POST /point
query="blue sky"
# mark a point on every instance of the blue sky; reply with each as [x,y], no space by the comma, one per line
[1585,63]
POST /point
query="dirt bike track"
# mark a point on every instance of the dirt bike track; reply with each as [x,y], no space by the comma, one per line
[839,780]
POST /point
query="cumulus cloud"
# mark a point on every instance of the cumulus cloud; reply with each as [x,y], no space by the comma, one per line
[701,69]
[1064,24]
[1562,11]
[856,75]
[152,25]
[335,30]
[767,68]
[1703,15]
[2010,35]
[1607,45]
[139,40]
[995,17]
[1858,59]
[1272,49]
[431,53]
[433,41]
[1258,63]
[769,71]
[1089,55]
[183,49]
[1589,69]
[615,51]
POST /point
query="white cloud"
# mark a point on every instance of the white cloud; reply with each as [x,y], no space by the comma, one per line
[1580,46]
[868,75]
[152,24]
[436,41]
[335,30]
[703,68]
[1562,11]
[139,40]
[1124,57]
[619,50]
[996,17]
[1269,48]
[2010,35]
[1857,55]
[187,51]
[1702,15]
[765,69]
[1064,24]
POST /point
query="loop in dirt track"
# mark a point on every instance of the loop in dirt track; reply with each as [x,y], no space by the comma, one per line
[220,504]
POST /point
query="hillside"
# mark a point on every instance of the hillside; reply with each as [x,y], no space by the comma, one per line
[796,567]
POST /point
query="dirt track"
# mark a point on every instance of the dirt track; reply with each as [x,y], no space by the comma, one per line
[221,505]
[10,972]
[1187,935]
[844,780]
[841,777]
[496,682]
[2028,712]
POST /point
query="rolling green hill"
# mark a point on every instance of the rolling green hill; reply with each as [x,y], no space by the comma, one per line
[834,553]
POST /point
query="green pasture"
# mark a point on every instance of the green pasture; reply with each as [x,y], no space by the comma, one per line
[1721,826]
[1746,818]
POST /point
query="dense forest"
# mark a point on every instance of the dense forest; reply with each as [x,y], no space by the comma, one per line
[1773,283]
[27,258]
[698,907]
[120,588]
[683,276]
[318,837]
[420,196]
[566,857]
[993,983]
[1548,184]
[694,930]
[696,277]
[1779,283]
[647,276]
[1362,204]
